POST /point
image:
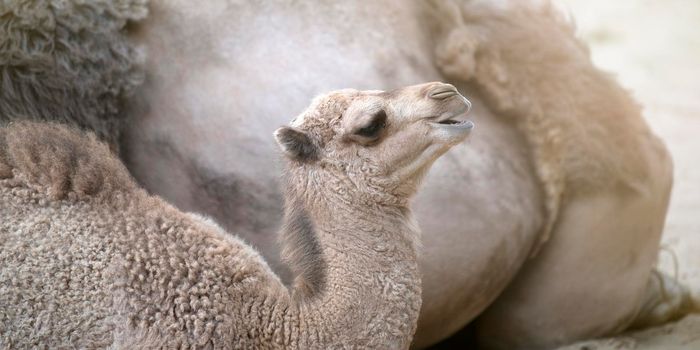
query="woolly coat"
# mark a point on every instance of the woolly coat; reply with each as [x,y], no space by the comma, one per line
[90,260]
[68,61]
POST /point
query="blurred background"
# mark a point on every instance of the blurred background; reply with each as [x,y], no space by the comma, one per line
[653,47]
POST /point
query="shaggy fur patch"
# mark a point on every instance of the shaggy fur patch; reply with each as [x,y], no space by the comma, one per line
[60,161]
[68,61]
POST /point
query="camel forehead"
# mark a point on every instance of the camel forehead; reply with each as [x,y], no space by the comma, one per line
[330,107]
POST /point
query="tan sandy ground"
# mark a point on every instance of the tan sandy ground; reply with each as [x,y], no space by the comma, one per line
[653,46]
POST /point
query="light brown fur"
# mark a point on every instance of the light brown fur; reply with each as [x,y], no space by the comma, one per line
[585,131]
[89,260]
[606,177]
[202,150]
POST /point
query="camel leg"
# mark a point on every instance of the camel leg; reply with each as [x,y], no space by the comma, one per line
[606,193]
[589,280]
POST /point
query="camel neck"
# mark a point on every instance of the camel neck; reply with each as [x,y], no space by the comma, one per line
[357,269]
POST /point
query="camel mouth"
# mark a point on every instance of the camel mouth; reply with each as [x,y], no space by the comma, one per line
[461,124]
[455,118]
[452,129]
[453,121]
[456,122]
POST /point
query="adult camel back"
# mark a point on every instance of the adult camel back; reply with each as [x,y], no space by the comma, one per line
[562,163]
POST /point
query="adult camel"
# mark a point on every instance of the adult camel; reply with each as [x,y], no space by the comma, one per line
[561,168]
[546,226]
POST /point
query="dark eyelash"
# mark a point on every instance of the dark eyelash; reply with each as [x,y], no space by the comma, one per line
[378,123]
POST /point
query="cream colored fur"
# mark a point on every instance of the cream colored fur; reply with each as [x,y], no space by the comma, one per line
[89,260]
[585,131]
[203,150]
[606,177]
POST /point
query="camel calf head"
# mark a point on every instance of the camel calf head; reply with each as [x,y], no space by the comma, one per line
[381,142]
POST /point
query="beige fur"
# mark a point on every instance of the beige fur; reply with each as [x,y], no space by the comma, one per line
[585,131]
[606,177]
[194,144]
[89,260]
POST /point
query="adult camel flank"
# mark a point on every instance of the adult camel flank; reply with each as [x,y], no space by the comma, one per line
[563,164]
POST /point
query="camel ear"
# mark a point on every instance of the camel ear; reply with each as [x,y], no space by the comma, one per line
[296,144]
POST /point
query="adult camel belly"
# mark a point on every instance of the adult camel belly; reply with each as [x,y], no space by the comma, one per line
[223,75]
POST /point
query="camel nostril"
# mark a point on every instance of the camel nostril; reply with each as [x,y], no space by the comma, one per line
[443,91]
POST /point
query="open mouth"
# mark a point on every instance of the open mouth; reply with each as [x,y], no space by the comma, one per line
[454,122]
[455,116]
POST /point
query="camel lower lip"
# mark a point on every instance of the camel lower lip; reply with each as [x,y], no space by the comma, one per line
[462,124]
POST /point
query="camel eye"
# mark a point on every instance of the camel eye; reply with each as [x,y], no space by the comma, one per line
[374,128]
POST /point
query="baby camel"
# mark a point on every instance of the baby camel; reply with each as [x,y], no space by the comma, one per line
[88,260]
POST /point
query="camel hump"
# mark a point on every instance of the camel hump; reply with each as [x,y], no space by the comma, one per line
[60,160]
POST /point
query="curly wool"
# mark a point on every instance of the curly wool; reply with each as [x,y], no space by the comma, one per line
[68,61]
[89,260]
